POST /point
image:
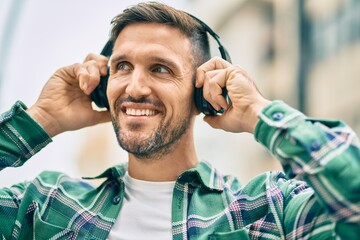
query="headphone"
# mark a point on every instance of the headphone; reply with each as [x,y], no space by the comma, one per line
[99,97]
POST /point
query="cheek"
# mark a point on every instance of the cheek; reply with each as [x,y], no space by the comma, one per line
[115,88]
[181,99]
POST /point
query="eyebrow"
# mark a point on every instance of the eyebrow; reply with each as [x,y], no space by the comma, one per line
[166,62]
[160,60]
[117,58]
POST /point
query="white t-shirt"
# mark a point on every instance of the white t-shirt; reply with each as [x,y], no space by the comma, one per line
[146,211]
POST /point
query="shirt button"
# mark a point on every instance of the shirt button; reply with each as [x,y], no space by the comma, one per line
[17,201]
[277,116]
[116,200]
[315,145]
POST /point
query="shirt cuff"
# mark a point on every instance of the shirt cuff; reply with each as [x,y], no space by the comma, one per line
[275,118]
[23,130]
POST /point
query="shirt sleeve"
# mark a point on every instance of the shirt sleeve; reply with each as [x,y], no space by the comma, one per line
[20,137]
[323,153]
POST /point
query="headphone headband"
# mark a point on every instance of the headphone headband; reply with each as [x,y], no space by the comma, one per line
[223,52]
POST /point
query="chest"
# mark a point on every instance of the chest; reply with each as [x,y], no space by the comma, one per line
[225,215]
[60,213]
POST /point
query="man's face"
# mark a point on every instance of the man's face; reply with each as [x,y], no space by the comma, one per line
[150,88]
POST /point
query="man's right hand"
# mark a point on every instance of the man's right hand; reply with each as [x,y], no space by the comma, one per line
[64,103]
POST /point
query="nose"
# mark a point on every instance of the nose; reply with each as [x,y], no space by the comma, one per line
[139,85]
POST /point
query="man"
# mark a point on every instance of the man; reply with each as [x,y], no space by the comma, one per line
[164,191]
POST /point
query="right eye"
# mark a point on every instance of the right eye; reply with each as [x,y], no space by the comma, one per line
[123,66]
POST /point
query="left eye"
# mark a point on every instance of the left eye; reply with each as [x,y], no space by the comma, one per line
[160,69]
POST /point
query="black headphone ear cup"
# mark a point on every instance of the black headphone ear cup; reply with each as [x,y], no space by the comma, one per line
[99,94]
[198,99]
[203,105]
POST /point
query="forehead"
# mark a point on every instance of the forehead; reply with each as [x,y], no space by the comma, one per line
[153,37]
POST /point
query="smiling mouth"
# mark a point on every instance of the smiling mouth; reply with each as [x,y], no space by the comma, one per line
[139,112]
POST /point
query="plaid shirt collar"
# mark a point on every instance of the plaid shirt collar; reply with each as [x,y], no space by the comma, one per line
[203,175]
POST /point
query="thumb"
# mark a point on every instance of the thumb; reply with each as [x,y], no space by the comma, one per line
[101,117]
[213,121]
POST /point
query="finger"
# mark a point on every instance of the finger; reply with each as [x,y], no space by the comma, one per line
[207,89]
[213,121]
[101,62]
[88,76]
[211,89]
[68,74]
[216,84]
[82,75]
[212,73]
[213,64]
[207,95]
[102,117]
[94,76]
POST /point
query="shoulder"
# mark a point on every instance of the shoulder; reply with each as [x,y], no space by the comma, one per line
[49,182]
[270,184]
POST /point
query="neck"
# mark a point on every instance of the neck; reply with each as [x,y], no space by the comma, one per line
[168,167]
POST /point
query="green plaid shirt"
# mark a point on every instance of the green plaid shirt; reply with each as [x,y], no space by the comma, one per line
[321,201]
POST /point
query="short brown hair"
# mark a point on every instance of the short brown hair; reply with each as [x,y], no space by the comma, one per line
[154,12]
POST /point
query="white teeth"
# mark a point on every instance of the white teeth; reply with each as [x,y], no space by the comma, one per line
[139,112]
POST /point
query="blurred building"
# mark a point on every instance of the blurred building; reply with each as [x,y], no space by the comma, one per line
[329,76]
[304,52]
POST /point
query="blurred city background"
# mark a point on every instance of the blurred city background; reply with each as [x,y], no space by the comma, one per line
[306,53]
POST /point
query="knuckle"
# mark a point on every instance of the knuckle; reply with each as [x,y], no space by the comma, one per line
[206,94]
[92,62]
[234,71]
[212,83]
[89,57]
[103,60]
